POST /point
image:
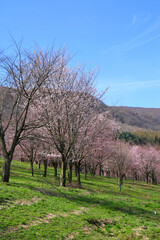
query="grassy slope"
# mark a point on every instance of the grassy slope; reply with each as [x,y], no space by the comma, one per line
[37,208]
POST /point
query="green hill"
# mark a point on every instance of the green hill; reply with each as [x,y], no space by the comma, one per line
[37,208]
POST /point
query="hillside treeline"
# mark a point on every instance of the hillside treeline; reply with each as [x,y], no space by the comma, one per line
[141,137]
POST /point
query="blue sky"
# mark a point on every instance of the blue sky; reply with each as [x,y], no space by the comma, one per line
[120,37]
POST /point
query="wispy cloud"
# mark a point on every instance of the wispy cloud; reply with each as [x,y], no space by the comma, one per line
[143,38]
[140,20]
[135,85]
[134,20]
[142,42]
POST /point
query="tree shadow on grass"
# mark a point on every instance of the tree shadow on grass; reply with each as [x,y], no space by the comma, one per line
[4,200]
[93,200]
[116,206]
[90,200]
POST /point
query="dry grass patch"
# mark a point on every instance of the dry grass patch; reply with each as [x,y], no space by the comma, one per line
[47,218]
[87,229]
[22,202]
[138,232]
[79,211]
[71,236]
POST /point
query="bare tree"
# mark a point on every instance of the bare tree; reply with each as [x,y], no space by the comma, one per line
[21,77]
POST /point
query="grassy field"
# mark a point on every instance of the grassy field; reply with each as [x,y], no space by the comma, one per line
[37,208]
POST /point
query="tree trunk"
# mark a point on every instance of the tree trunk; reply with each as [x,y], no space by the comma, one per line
[100,169]
[75,165]
[6,170]
[135,176]
[45,168]
[154,178]
[31,165]
[55,168]
[93,171]
[85,170]
[78,173]
[31,161]
[120,181]
[63,173]
[70,172]
[147,177]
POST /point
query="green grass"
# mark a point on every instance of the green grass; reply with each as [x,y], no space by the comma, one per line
[37,208]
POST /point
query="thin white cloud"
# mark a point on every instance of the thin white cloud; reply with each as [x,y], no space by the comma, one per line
[142,43]
[135,85]
[139,40]
[134,19]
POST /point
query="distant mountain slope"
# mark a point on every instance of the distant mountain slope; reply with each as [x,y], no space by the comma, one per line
[146,118]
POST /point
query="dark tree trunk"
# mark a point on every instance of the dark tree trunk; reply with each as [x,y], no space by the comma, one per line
[6,170]
[153,178]
[31,165]
[55,165]
[100,169]
[78,173]
[70,172]
[120,181]
[93,172]
[45,167]
[63,172]
[147,177]
[75,165]
[31,161]
[135,176]
[85,170]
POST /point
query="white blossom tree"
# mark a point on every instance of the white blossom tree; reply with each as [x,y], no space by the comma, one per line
[68,104]
[21,76]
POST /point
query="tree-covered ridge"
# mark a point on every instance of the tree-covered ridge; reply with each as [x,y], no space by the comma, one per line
[147,118]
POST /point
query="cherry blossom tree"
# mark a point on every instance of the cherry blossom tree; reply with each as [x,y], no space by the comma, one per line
[149,160]
[120,160]
[22,75]
[100,147]
[30,145]
[134,170]
[68,104]
[91,149]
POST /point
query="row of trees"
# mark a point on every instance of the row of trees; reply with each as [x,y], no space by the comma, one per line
[112,159]
[134,162]
[51,113]
[47,108]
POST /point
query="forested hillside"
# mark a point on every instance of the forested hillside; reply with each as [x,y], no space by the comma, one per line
[147,118]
